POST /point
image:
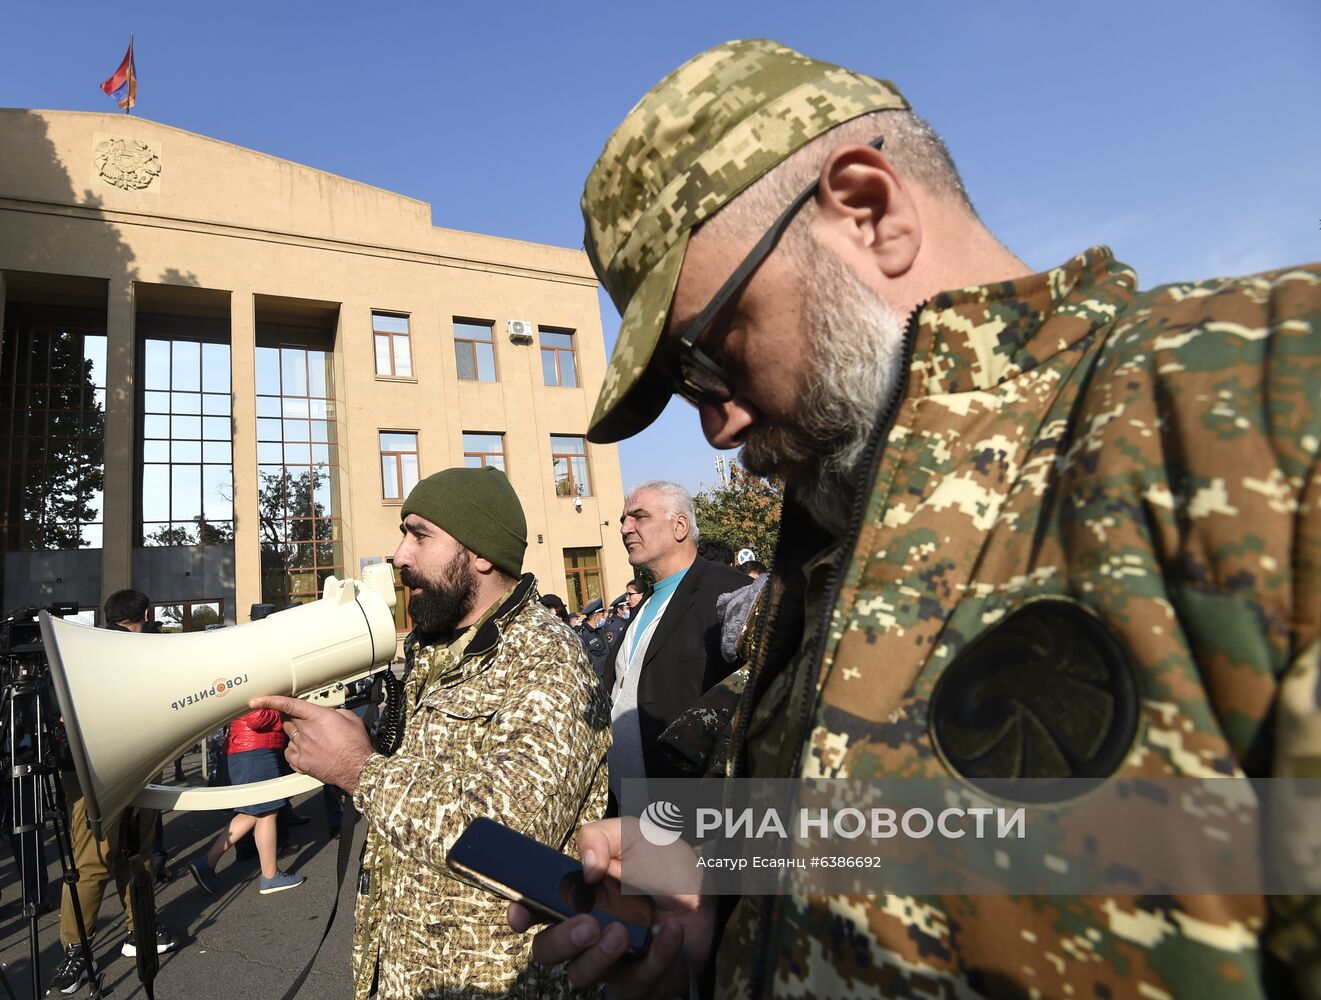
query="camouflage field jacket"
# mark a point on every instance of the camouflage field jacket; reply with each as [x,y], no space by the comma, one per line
[510,722]
[1152,457]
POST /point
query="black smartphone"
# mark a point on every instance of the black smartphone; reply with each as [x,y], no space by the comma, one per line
[509,864]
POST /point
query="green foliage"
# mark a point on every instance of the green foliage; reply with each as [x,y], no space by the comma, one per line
[297,532]
[56,463]
[202,533]
[745,511]
[170,618]
[205,615]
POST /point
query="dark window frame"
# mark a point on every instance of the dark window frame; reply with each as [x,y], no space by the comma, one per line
[401,612]
[399,465]
[321,553]
[158,327]
[186,607]
[19,532]
[470,343]
[577,578]
[484,455]
[557,353]
[574,486]
[391,336]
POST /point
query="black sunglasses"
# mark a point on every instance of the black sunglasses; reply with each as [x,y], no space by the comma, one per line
[697,376]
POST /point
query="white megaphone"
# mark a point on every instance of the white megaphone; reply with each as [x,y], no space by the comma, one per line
[133,702]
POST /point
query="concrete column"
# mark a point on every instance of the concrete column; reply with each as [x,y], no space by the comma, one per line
[344,445]
[243,387]
[120,423]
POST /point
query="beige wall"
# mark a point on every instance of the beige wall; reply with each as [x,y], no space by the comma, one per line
[218,217]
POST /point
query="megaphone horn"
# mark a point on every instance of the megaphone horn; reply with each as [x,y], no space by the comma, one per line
[133,702]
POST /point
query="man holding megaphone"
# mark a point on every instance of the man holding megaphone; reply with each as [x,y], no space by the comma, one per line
[504,717]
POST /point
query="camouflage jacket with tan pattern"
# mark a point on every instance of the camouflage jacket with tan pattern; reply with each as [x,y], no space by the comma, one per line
[1152,457]
[508,721]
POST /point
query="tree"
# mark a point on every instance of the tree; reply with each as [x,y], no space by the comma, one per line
[168,536]
[203,533]
[745,511]
[59,430]
[170,618]
[297,532]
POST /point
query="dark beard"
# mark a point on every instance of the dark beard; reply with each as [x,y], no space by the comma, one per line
[441,604]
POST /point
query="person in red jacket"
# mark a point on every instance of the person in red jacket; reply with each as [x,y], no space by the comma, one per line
[255,744]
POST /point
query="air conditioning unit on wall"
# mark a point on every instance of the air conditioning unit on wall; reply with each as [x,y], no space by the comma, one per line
[520,331]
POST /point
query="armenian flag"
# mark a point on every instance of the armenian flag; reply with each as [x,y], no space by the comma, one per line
[123,83]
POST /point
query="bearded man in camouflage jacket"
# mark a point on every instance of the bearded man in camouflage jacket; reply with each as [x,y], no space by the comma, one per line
[505,718]
[1020,449]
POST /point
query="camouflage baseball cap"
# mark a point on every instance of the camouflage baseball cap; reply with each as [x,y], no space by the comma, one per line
[695,140]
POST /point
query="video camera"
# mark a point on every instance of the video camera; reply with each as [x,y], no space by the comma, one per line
[20,632]
[23,669]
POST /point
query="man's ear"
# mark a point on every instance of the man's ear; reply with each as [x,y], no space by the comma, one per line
[482,565]
[864,202]
[681,528]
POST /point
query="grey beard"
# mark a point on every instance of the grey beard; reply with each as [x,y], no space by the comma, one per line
[856,342]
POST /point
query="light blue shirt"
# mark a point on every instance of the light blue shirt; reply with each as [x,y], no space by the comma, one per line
[625,758]
[660,595]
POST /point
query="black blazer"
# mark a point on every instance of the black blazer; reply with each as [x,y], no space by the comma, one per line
[683,660]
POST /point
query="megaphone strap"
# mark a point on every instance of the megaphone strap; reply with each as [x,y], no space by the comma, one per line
[341,869]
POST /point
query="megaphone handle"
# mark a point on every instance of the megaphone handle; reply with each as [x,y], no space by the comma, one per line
[167,797]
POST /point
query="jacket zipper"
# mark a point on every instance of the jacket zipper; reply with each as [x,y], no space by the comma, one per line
[871,463]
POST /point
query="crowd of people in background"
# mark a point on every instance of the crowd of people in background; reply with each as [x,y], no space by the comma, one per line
[599,626]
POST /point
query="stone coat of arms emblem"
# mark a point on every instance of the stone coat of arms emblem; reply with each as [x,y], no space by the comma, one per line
[126,163]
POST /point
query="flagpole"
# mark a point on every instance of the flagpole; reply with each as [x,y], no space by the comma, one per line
[133,72]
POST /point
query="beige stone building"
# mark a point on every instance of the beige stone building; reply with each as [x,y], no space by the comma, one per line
[221,372]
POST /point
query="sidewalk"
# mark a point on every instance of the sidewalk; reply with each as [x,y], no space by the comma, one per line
[236,944]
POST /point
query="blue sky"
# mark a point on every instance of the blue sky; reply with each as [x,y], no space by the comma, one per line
[1186,135]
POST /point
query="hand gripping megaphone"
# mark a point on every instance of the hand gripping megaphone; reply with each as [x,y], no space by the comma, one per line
[133,702]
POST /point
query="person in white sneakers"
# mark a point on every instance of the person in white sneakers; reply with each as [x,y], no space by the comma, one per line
[97,860]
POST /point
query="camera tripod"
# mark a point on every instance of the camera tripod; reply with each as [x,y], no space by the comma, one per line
[37,801]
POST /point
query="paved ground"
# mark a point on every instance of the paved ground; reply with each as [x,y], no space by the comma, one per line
[236,944]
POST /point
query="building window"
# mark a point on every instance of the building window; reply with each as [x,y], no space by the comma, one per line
[582,576]
[52,429]
[403,621]
[474,350]
[559,365]
[569,462]
[398,464]
[480,450]
[187,616]
[394,352]
[298,473]
[187,450]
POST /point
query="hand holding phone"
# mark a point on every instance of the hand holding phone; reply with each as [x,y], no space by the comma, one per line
[682,938]
[551,884]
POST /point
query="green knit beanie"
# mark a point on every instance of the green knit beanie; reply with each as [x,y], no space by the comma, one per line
[479,508]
